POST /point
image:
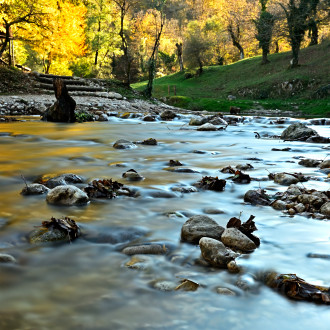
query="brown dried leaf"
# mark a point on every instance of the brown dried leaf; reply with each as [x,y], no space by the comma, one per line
[211,183]
[67,225]
[103,188]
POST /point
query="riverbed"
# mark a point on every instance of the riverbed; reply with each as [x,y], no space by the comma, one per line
[88,285]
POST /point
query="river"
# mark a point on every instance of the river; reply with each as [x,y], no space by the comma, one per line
[87,285]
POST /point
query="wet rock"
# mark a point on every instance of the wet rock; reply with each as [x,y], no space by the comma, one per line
[198,121]
[43,235]
[199,226]
[315,200]
[207,127]
[218,121]
[279,205]
[325,209]
[103,117]
[67,195]
[34,189]
[325,164]
[132,175]
[225,291]
[234,238]
[292,211]
[247,282]
[293,190]
[6,258]
[162,194]
[285,179]
[210,210]
[64,179]
[256,197]
[167,115]
[184,190]
[146,249]
[149,117]
[124,144]
[181,170]
[244,167]
[299,208]
[150,142]
[215,252]
[309,162]
[164,285]
[233,267]
[137,263]
[298,132]
[318,139]
[187,285]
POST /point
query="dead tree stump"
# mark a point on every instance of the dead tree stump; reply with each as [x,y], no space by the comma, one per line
[63,109]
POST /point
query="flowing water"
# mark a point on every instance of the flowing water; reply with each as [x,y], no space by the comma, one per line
[86,285]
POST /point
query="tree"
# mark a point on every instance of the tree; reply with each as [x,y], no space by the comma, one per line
[19,14]
[297,13]
[159,23]
[180,53]
[197,46]
[264,25]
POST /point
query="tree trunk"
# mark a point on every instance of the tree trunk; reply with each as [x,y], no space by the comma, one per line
[277,47]
[264,57]
[180,59]
[295,55]
[313,33]
[151,73]
[235,40]
[63,109]
[7,39]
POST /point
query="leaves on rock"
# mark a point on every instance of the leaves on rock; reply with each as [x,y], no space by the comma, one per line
[211,183]
[66,225]
[174,163]
[103,188]
[241,177]
[296,288]
[247,228]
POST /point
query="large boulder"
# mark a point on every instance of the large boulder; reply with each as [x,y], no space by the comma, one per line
[298,131]
[215,253]
[167,115]
[325,209]
[234,238]
[199,226]
[67,195]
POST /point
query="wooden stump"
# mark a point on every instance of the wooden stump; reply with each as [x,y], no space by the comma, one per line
[63,109]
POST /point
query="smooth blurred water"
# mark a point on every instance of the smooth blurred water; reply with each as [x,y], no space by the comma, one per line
[85,285]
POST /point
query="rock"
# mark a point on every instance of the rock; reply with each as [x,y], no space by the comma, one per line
[210,210]
[150,142]
[256,197]
[285,179]
[279,205]
[292,211]
[215,253]
[64,179]
[231,97]
[185,190]
[299,208]
[164,285]
[225,292]
[137,263]
[181,170]
[162,194]
[167,115]
[43,235]
[199,226]
[325,209]
[293,190]
[146,249]
[325,164]
[234,238]
[315,200]
[309,162]
[197,120]
[218,121]
[207,127]
[132,175]
[187,285]
[124,144]
[149,117]
[103,117]
[6,258]
[233,267]
[67,195]
[298,131]
[34,189]
[318,139]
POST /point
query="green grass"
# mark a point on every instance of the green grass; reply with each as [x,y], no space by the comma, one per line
[250,81]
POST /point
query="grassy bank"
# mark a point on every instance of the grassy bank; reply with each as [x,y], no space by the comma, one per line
[272,86]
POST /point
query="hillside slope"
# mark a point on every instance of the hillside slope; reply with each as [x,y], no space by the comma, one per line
[274,84]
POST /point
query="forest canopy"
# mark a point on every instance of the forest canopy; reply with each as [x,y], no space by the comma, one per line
[129,39]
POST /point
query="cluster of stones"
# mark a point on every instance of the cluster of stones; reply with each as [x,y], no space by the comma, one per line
[19,107]
[219,246]
[310,203]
